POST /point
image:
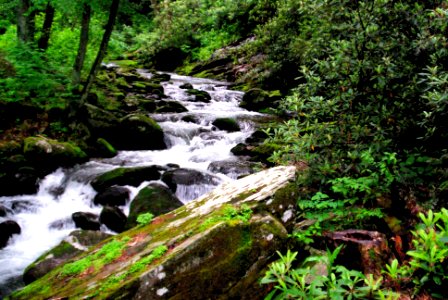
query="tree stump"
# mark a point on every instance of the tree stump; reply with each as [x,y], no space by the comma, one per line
[366,251]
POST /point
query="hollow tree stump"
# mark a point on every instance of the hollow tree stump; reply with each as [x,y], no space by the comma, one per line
[366,251]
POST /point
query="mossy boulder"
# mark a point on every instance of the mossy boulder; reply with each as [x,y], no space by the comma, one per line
[138,132]
[155,199]
[104,148]
[258,99]
[126,176]
[226,124]
[101,123]
[77,242]
[199,96]
[217,245]
[51,154]
[160,77]
[170,107]
[144,87]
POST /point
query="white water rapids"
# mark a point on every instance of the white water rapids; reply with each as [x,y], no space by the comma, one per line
[45,218]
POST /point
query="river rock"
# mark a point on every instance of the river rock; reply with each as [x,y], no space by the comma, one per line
[227,124]
[86,221]
[51,154]
[112,196]
[22,181]
[189,119]
[233,168]
[77,242]
[138,132]
[144,87]
[219,244]
[3,211]
[104,148]
[126,176]
[7,229]
[184,176]
[170,107]
[155,199]
[100,122]
[258,99]
[186,86]
[199,96]
[113,218]
[160,77]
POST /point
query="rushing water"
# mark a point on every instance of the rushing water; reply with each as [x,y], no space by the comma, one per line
[45,218]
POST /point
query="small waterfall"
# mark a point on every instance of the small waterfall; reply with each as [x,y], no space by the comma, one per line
[45,218]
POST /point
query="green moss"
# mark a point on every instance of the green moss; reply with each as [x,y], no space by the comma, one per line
[126,63]
[106,147]
[144,219]
[107,254]
[113,282]
[228,213]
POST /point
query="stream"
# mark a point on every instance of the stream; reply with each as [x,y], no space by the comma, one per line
[45,218]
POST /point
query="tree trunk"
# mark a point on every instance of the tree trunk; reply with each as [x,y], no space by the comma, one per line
[102,51]
[83,41]
[23,25]
[46,29]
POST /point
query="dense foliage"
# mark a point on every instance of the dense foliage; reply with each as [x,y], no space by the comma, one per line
[366,109]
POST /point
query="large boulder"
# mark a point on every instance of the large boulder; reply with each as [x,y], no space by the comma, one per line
[216,246]
[226,124]
[7,229]
[258,99]
[22,181]
[51,154]
[138,132]
[199,96]
[155,199]
[113,218]
[126,176]
[183,176]
[86,220]
[77,242]
[112,196]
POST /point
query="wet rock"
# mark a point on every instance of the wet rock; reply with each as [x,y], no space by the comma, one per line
[7,229]
[160,77]
[186,86]
[138,132]
[77,242]
[126,176]
[144,87]
[86,221]
[51,154]
[104,148]
[258,99]
[101,123]
[194,252]
[3,211]
[147,105]
[184,176]
[112,196]
[241,150]
[189,119]
[233,168]
[199,96]
[226,124]
[22,181]
[170,107]
[155,199]
[257,137]
[113,218]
